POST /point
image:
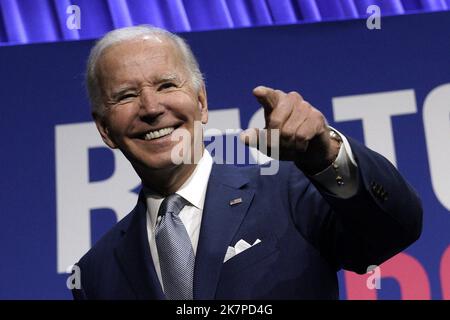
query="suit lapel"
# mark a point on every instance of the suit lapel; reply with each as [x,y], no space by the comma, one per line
[220,222]
[134,256]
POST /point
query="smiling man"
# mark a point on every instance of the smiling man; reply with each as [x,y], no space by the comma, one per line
[146,91]
[207,231]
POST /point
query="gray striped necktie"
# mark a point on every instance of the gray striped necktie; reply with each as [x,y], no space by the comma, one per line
[176,256]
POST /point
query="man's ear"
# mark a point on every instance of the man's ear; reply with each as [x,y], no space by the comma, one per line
[203,104]
[104,131]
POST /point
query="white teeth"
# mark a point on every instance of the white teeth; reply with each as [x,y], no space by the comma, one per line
[158,133]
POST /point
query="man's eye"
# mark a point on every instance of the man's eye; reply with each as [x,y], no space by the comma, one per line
[167,85]
[127,96]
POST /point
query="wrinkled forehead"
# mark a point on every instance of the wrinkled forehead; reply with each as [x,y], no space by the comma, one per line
[146,54]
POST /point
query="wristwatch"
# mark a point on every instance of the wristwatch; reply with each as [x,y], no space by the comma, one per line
[335,136]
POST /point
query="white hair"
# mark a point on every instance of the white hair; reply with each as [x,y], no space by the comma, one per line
[130,33]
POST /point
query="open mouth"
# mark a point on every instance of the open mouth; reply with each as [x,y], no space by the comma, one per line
[156,134]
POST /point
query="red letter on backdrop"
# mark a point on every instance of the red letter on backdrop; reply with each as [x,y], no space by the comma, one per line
[405,269]
[445,274]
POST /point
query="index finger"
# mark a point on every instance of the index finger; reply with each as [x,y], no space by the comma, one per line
[267,97]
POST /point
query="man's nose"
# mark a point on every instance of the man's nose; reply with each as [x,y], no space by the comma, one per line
[150,106]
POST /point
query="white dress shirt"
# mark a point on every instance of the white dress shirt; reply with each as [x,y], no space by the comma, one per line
[194,191]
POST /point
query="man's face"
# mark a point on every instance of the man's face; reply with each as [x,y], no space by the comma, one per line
[148,97]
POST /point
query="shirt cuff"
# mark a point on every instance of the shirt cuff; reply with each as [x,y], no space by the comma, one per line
[341,178]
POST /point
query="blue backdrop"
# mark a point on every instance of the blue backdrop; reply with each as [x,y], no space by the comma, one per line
[60,188]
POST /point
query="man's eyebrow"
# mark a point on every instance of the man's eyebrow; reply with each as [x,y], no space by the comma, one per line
[167,77]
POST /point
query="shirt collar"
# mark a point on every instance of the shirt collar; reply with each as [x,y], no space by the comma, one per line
[193,189]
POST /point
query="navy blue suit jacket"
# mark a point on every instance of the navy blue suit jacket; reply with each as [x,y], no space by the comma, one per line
[306,236]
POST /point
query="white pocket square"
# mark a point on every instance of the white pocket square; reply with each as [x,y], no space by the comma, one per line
[239,247]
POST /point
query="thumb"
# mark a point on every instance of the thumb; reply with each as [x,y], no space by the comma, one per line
[249,137]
